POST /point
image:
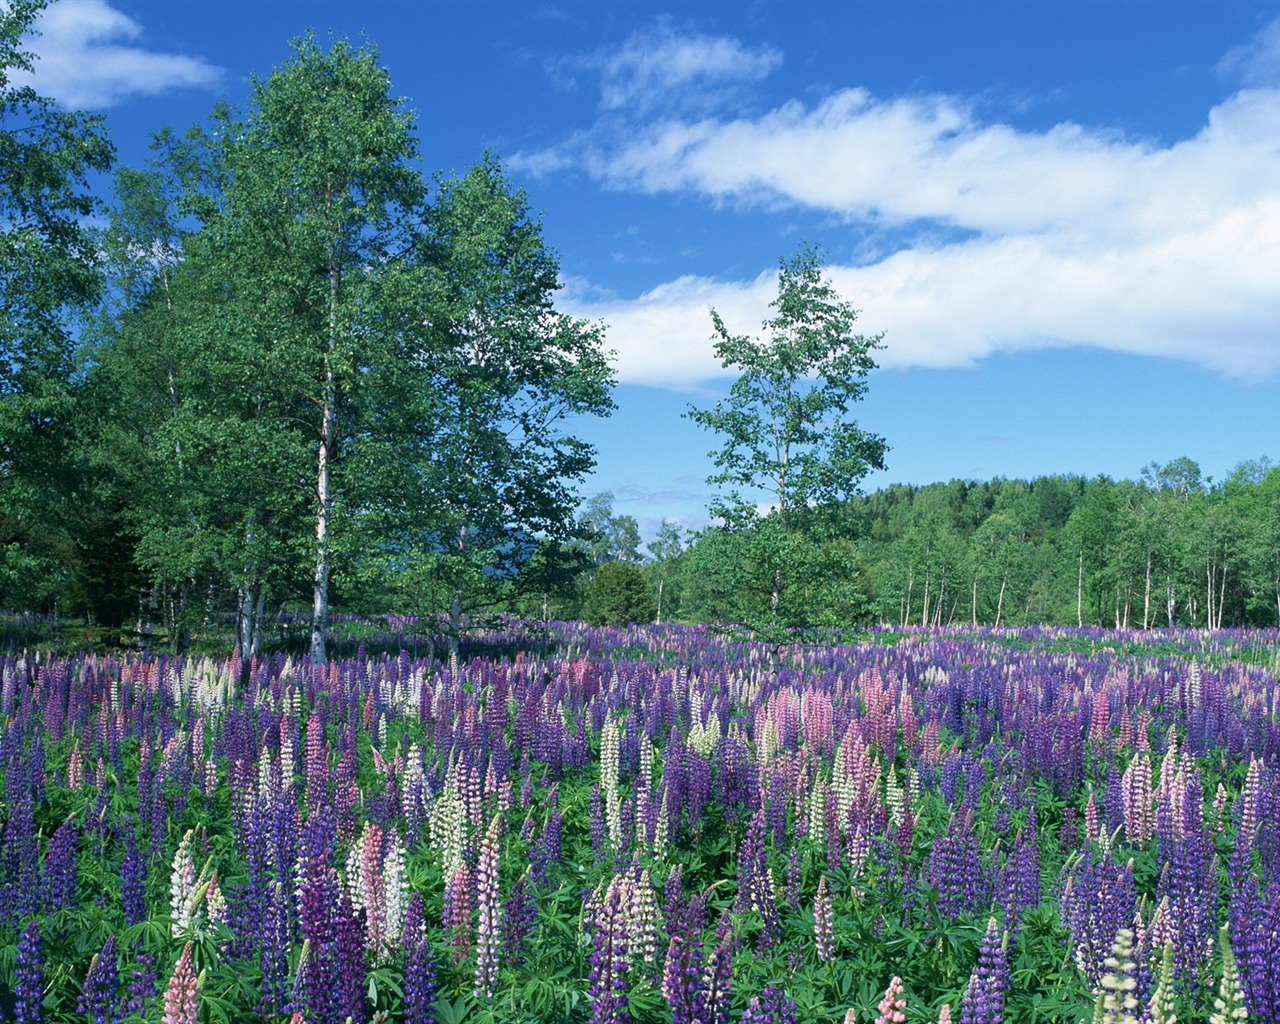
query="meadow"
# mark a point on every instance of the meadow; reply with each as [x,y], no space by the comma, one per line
[657,824]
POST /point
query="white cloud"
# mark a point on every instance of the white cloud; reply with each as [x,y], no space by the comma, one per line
[87,57]
[658,67]
[1070,236]
[1257,62]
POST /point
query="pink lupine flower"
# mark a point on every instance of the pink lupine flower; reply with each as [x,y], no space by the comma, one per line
[182,998]
[823,933]
[893,1006]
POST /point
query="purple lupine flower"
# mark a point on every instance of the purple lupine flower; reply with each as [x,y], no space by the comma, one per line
[60,868]
[599,834]
[609,958]
[350,945]
[275,946]
[1190,883]
[955,868]
[98,994]
[522,915]
[1019,884]
[420,985]
[546,851]
[983,1001]
[28,993]
[415,925]
[794,878]
[682,978]
[318,884]
[142,985]
[770,1007]
[133,884]
[751,864]
[718,979]
[673,901]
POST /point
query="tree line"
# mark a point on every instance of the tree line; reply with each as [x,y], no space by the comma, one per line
[1168,549]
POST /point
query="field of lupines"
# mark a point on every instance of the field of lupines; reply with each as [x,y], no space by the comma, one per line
[650,825]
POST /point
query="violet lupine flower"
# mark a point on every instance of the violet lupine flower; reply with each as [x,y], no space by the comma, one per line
[415,925]
[823,933]
[794,877]
[682,978]
[1255,934]
[101,983]
[28,993]
[522,915]
[718,979]
[609,958]
[350,940]
[598,831]
[420,985]
[893,1007]
[182,997]
[142,985]
[983,1001]
[275,946]
[1019,888]
[955,868]
[60,868]
[770,1007]
[318,883]
[133,884]
[673,901]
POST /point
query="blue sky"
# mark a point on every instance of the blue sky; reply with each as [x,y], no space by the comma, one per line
[1065,218]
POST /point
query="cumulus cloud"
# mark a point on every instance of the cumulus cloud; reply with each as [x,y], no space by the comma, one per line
[1070,236]
[87,56]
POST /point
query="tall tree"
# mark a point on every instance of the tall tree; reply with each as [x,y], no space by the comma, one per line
[787,424]
[48,269]
[305,206]
[506,375]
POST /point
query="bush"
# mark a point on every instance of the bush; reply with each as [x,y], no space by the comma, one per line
[619,595]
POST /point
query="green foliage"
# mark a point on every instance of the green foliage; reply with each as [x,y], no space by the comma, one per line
[788,432]
[619,595]
[787,426]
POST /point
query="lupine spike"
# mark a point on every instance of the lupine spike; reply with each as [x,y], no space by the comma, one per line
[1229,1004]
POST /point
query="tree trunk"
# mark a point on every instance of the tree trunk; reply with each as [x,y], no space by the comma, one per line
[1222,592]
[1000,601]
[324,470]
[1080,592]
[1208,577]
[659,618]
[975,600]
[1146,598]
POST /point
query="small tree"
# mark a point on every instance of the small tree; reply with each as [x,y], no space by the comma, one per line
[787,426]
[619,595]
